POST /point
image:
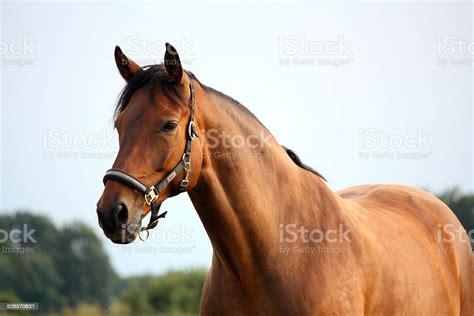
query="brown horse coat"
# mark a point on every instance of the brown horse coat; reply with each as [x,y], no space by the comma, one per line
[283,242]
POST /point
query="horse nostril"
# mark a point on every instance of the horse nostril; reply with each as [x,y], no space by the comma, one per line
[121,214]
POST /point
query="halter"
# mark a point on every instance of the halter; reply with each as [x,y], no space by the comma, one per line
[152,193]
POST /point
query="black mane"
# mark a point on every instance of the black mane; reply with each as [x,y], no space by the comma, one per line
[298,162]
[156,78]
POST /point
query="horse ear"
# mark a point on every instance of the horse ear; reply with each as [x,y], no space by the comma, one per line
[127,67]
[173,64]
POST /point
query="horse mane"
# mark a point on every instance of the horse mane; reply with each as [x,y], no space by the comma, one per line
[299,163]
[157,79]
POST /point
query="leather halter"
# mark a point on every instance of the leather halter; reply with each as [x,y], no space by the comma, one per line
[152,193]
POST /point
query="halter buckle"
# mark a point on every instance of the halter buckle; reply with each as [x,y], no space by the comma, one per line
[187,170]
[151,196]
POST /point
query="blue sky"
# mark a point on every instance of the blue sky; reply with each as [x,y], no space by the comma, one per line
[363,92]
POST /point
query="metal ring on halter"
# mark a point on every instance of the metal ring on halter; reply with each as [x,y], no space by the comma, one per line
[192,130]
[186,158]
[140,234]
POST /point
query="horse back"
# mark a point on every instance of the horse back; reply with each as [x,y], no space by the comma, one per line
[417,236]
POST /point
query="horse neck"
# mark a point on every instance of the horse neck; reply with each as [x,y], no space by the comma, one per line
[245,192]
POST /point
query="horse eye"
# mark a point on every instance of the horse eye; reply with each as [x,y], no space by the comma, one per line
[170,126]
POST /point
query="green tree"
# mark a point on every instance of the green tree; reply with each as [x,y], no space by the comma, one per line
[84,266]
[51,266]
[27,267]
[463,206]
[176,292]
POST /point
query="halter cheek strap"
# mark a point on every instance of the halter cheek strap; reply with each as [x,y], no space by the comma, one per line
[152,193]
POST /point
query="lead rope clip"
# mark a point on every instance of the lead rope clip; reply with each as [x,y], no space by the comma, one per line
[187,171]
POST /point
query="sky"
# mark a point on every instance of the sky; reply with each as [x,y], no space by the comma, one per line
[364,92]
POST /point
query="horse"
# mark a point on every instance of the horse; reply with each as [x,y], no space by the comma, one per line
[283,242]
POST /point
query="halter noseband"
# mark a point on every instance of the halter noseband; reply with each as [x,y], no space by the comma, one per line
[152,193]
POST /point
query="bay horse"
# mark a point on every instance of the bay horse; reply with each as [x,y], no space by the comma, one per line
[283,242]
